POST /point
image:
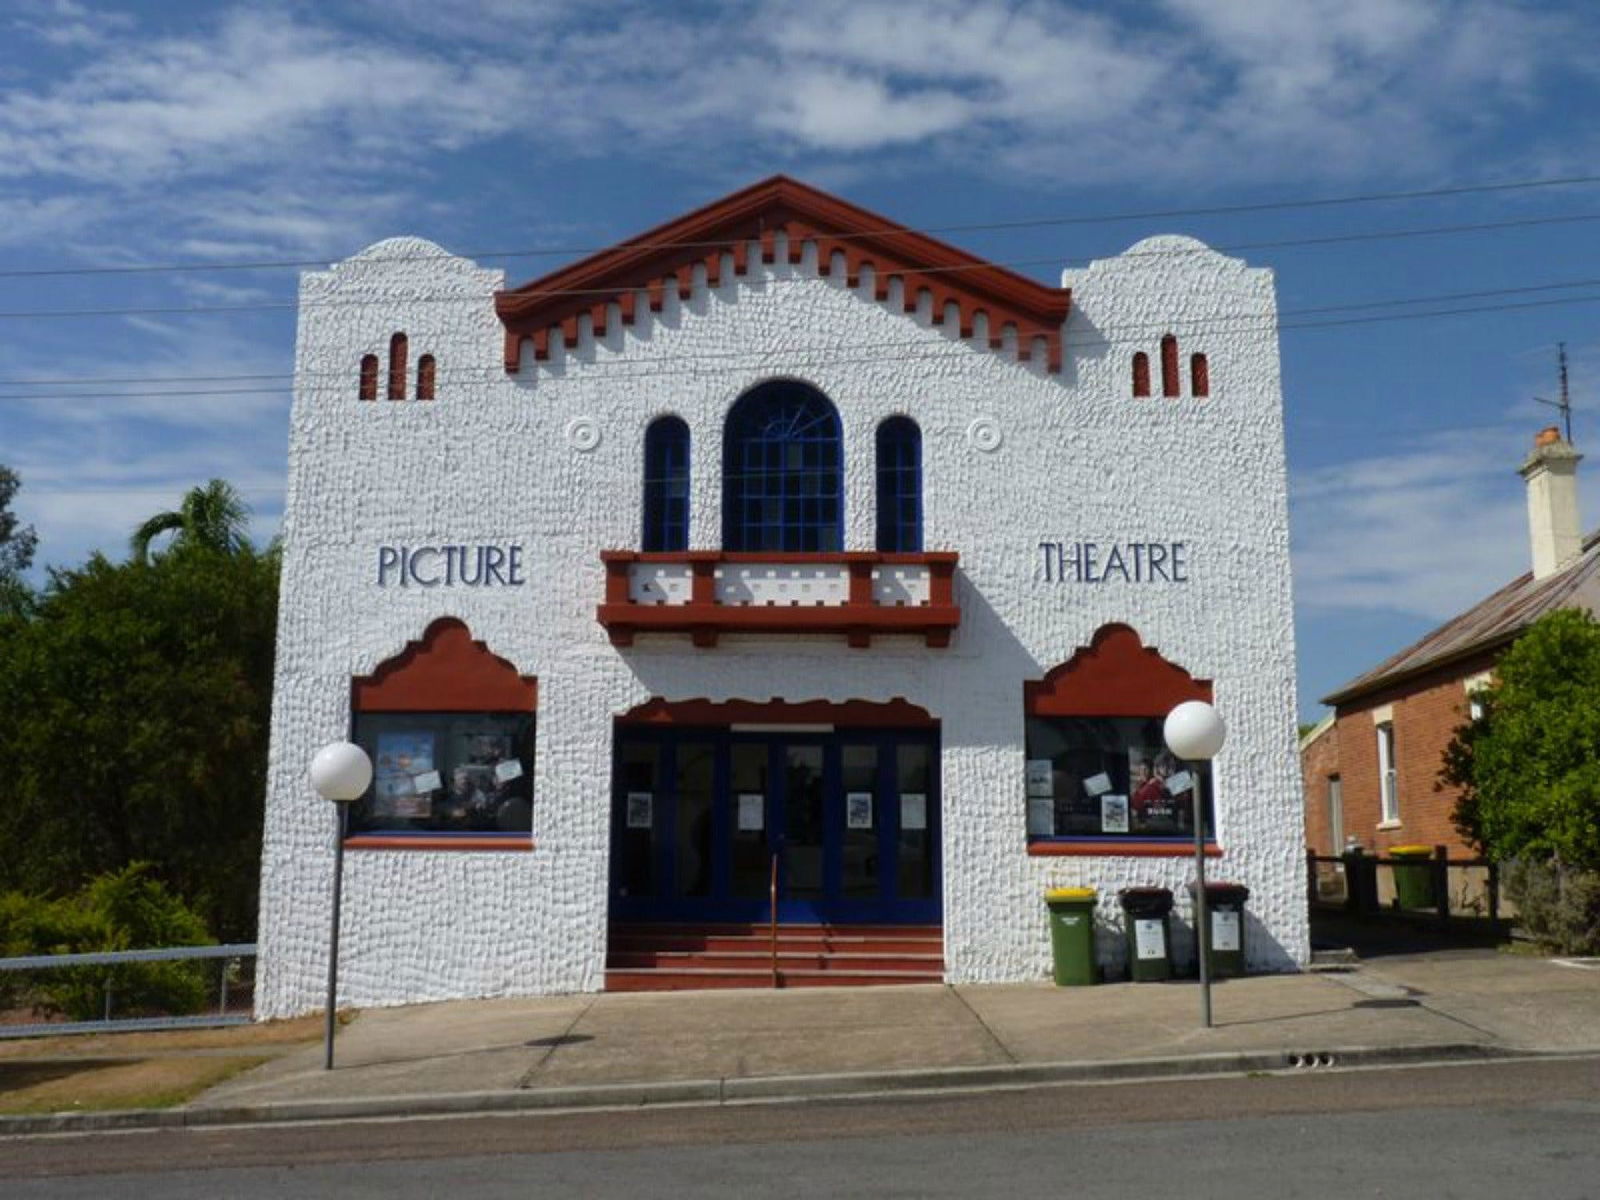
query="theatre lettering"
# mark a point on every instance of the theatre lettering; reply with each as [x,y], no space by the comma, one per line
[1112,562]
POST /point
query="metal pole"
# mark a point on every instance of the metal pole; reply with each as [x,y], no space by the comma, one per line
[1200,914]
[333,945]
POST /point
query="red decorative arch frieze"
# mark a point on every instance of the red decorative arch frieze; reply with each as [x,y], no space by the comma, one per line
[666,257]
[447,671]
[1115,675]
[898,713]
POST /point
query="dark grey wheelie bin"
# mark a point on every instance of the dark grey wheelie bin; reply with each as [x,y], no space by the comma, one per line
[1145,919]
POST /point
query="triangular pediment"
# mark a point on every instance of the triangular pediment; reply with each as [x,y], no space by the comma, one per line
[773,216]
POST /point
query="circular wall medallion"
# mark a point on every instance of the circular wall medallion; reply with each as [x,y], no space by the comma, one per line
[984,434]
[583,433]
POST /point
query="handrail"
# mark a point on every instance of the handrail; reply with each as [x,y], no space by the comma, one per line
[105,958]
[227,954]
[773,932]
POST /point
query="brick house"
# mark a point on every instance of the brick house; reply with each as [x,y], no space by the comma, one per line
[1371,767]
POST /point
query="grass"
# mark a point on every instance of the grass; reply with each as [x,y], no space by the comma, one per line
[280,1035]
[91,1085]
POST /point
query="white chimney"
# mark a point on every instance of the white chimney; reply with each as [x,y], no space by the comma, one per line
[1553,528]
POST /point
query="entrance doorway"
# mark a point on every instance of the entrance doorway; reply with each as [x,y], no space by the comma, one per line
[847,818]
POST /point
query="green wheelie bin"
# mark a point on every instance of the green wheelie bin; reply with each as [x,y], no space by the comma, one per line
[1072,935]
[1225,910]
[1145,913]
[1413,876]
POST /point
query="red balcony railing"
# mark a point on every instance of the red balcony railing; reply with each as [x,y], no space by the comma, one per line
[706,593]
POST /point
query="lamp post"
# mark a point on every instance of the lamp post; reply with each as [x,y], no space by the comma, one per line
[1195,733]
[341,772]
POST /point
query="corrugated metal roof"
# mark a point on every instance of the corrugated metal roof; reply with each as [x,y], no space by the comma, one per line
[1496,619]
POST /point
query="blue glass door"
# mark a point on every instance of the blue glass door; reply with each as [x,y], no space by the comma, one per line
[846,823]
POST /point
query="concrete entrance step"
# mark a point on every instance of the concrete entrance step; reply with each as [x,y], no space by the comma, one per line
[680,957]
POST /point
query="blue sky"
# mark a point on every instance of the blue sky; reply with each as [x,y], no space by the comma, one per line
[142,135]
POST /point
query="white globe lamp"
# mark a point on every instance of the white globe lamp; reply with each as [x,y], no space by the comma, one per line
[1194,731]
[341,772]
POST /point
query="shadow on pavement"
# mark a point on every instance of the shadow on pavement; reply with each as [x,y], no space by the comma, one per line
[1385,935]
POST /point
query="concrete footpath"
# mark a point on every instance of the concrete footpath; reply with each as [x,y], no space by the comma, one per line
[730,1047]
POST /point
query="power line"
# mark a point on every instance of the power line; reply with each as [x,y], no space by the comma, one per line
[816,356]
[976,227]
[1220,324]
[1278,244]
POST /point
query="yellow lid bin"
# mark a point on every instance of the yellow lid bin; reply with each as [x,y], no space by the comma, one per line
[1077,893]
[1413,876]
[1072,934]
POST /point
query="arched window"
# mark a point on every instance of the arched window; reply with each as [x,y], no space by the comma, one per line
[425,374]
[666,485]
[369,377]
[1199,376]
[782,485]
[1141,374]
[899,486]
[397,367]
[1170,383]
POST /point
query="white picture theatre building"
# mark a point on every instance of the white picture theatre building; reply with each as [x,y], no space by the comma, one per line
[781,564]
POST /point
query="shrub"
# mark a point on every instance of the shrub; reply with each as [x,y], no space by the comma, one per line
[122,910]
[1557,905]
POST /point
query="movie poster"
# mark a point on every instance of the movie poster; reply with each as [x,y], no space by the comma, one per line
[1152,806]
[403,757]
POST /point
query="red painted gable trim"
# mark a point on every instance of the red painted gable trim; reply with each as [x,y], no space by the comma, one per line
[1115,675]
[666,257]
[445,672]
[893,714]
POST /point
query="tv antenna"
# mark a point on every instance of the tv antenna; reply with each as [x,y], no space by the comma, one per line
[1565,403]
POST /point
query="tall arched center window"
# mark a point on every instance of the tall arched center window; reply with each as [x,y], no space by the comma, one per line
[782,471]
[666,485]
[899,486]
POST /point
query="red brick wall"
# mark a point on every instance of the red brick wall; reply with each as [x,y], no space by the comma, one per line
[1427,711]
[1319,762]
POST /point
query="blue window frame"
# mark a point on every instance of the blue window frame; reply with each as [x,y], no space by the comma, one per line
[782,477]
[899,486]
[666,485]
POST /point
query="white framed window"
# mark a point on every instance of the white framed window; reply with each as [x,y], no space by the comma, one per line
[1336,814]
[1388,783]
[1475,685]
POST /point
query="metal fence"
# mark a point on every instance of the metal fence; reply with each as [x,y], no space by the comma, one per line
[234,994]
[1437,888]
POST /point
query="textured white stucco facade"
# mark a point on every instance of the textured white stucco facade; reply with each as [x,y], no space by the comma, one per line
[550,458]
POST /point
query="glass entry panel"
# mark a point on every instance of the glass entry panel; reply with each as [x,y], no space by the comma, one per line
[804,841]
[749,802]
[850,818]
[694,773]
[863,823]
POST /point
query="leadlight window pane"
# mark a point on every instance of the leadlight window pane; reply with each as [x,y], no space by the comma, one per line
[899,486]
[782,456]
[666,485]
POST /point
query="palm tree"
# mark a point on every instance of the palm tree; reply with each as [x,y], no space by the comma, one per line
[213,516]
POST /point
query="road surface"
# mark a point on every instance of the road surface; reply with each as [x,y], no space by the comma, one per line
[1522,1129]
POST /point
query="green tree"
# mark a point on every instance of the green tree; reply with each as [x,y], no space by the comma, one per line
[213,516]
[17,541]
[133,727]
[1529,768]
[17,544]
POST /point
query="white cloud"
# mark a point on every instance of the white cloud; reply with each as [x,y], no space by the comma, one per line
[259,88]
[1427,528]
[1231,88]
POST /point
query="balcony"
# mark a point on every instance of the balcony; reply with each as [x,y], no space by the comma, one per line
[706,593]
